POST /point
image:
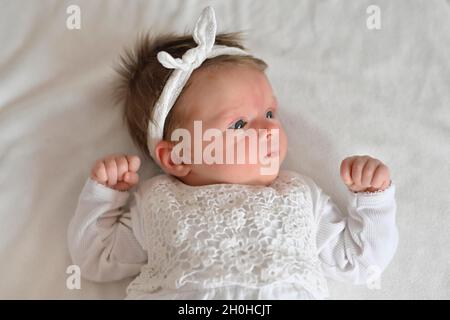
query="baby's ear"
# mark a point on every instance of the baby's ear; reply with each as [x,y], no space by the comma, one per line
[163,152]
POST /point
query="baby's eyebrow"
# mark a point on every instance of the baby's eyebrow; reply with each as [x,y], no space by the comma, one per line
[233,112]
[228,114]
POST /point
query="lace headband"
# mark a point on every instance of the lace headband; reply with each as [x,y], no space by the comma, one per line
[204,35]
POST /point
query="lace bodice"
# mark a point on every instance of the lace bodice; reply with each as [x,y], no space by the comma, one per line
[228,234]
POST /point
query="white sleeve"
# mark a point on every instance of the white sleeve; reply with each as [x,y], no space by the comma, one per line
[100,236]
[359,245]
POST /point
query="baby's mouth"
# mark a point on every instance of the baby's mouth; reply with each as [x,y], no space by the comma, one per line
[272,154]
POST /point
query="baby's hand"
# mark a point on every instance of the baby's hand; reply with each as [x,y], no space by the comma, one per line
[118,172]
[363,173]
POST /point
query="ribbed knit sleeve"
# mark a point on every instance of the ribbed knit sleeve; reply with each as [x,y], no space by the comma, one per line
[358,244]
[100,236]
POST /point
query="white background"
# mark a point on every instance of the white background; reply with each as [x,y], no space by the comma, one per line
[343,90]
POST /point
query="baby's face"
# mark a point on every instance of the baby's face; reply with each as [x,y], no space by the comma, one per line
[239,100]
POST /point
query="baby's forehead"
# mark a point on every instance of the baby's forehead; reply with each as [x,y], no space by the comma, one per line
[218,88]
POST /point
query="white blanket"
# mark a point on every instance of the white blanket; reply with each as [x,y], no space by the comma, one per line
[343,90]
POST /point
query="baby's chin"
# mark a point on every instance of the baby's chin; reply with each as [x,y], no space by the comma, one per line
[259,178]
[267,179]
[258,175]
[261,175]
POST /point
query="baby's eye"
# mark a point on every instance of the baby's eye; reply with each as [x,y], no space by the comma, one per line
[269,115]
[238,124]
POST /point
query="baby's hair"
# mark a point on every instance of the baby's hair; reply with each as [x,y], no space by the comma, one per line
[142,78]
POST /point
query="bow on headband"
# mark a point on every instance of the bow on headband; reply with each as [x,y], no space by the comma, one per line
[204,35]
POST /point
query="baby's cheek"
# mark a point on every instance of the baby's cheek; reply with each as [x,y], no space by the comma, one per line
[284,143]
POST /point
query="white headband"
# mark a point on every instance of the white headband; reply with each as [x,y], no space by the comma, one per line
[204,35]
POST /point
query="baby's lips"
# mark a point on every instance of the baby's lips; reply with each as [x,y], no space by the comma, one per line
[274,153]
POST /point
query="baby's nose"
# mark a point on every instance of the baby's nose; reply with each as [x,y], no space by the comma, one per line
[267,124]
[265,128]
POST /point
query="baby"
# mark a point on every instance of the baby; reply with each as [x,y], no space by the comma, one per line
[214,229]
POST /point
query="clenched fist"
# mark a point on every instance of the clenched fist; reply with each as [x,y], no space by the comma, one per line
[118,172]
[363,173]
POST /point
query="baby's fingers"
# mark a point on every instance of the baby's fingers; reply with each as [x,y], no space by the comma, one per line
[132,178]
[122,167]
[357,168]
[98,173]
[346,170]
[111,171]
[381,177]
[369,172]
[133,163]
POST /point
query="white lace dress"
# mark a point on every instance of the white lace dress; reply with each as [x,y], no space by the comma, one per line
[229,241]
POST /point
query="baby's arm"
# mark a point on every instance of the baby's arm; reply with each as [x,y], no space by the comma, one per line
[100,236]
[358,246]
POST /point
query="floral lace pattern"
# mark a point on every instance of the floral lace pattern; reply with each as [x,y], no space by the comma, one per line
[228,234]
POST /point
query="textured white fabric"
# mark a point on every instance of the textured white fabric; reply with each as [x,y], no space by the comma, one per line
[342,89]
[279,291]
[231,240]
[204,35]
[228,234]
